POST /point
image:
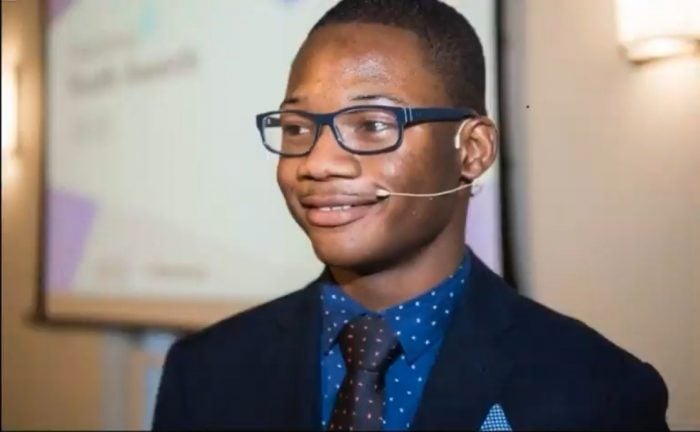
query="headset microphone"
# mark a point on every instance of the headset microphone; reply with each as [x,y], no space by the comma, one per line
[383,193]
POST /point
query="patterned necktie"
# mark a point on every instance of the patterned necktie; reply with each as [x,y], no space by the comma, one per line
[368,346]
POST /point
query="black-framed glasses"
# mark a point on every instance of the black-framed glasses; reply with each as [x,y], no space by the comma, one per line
[364,129]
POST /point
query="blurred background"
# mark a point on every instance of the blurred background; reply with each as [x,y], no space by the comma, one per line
[138,203]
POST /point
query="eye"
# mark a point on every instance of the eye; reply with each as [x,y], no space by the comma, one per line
[374,126]
[295,129]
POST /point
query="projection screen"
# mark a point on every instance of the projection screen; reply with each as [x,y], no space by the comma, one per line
[161,206]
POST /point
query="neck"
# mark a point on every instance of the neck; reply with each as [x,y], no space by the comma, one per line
[415,274]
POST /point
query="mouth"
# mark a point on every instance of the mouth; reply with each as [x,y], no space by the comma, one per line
[337,209]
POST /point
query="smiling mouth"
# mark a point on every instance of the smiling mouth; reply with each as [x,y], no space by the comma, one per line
[336,210]
[336,216]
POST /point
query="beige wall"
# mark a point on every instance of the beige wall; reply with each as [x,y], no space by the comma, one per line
[51,378]
[606,164]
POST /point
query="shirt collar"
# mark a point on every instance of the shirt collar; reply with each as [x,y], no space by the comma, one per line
[418,323]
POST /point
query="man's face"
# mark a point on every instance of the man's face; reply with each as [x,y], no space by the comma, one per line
[343,65]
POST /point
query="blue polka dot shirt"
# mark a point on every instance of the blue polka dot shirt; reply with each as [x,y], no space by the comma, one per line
[419,325]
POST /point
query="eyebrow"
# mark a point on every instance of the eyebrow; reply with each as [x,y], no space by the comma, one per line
[290,100]
[371,97]
[368,97]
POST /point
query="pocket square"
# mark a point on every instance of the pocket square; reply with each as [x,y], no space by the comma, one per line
[495,420]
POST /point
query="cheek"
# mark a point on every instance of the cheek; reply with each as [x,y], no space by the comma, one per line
[287,182]
[286,176]
[419,166]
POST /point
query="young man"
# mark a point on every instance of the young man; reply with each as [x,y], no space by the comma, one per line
[406,328]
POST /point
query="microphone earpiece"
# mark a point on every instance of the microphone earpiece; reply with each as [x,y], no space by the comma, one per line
[458,142]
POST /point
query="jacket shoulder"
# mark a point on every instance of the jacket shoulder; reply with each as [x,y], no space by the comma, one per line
[206,370]
[536,331]
[562,337]
[246,327]
[570,355]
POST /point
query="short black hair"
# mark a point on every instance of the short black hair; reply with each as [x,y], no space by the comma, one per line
[452,46]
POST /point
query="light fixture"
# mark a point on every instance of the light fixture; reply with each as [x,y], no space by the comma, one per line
[9,111]
[10,139]
[654,29]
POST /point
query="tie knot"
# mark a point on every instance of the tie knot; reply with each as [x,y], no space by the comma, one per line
[368,343]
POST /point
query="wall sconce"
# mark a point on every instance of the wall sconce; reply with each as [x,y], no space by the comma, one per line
[654,29]
[10,138]
[9,111]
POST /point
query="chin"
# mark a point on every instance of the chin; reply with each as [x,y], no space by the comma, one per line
[361,253]
[345,251]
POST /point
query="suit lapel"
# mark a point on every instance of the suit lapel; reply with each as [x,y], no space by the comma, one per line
[470,370]
[296,363]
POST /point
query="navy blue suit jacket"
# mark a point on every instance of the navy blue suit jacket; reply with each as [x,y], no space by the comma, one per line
[260,370]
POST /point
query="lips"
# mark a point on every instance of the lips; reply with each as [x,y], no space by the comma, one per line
[336,209]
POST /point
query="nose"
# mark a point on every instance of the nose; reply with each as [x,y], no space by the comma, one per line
[328,159]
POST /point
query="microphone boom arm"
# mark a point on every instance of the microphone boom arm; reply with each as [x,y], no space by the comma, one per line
[383,193]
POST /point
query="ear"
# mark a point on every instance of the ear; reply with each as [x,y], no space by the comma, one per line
[477,142]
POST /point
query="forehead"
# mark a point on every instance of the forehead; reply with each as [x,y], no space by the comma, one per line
[341,61]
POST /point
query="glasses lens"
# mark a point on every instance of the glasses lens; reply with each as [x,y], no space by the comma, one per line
[288,134]
[366,130]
